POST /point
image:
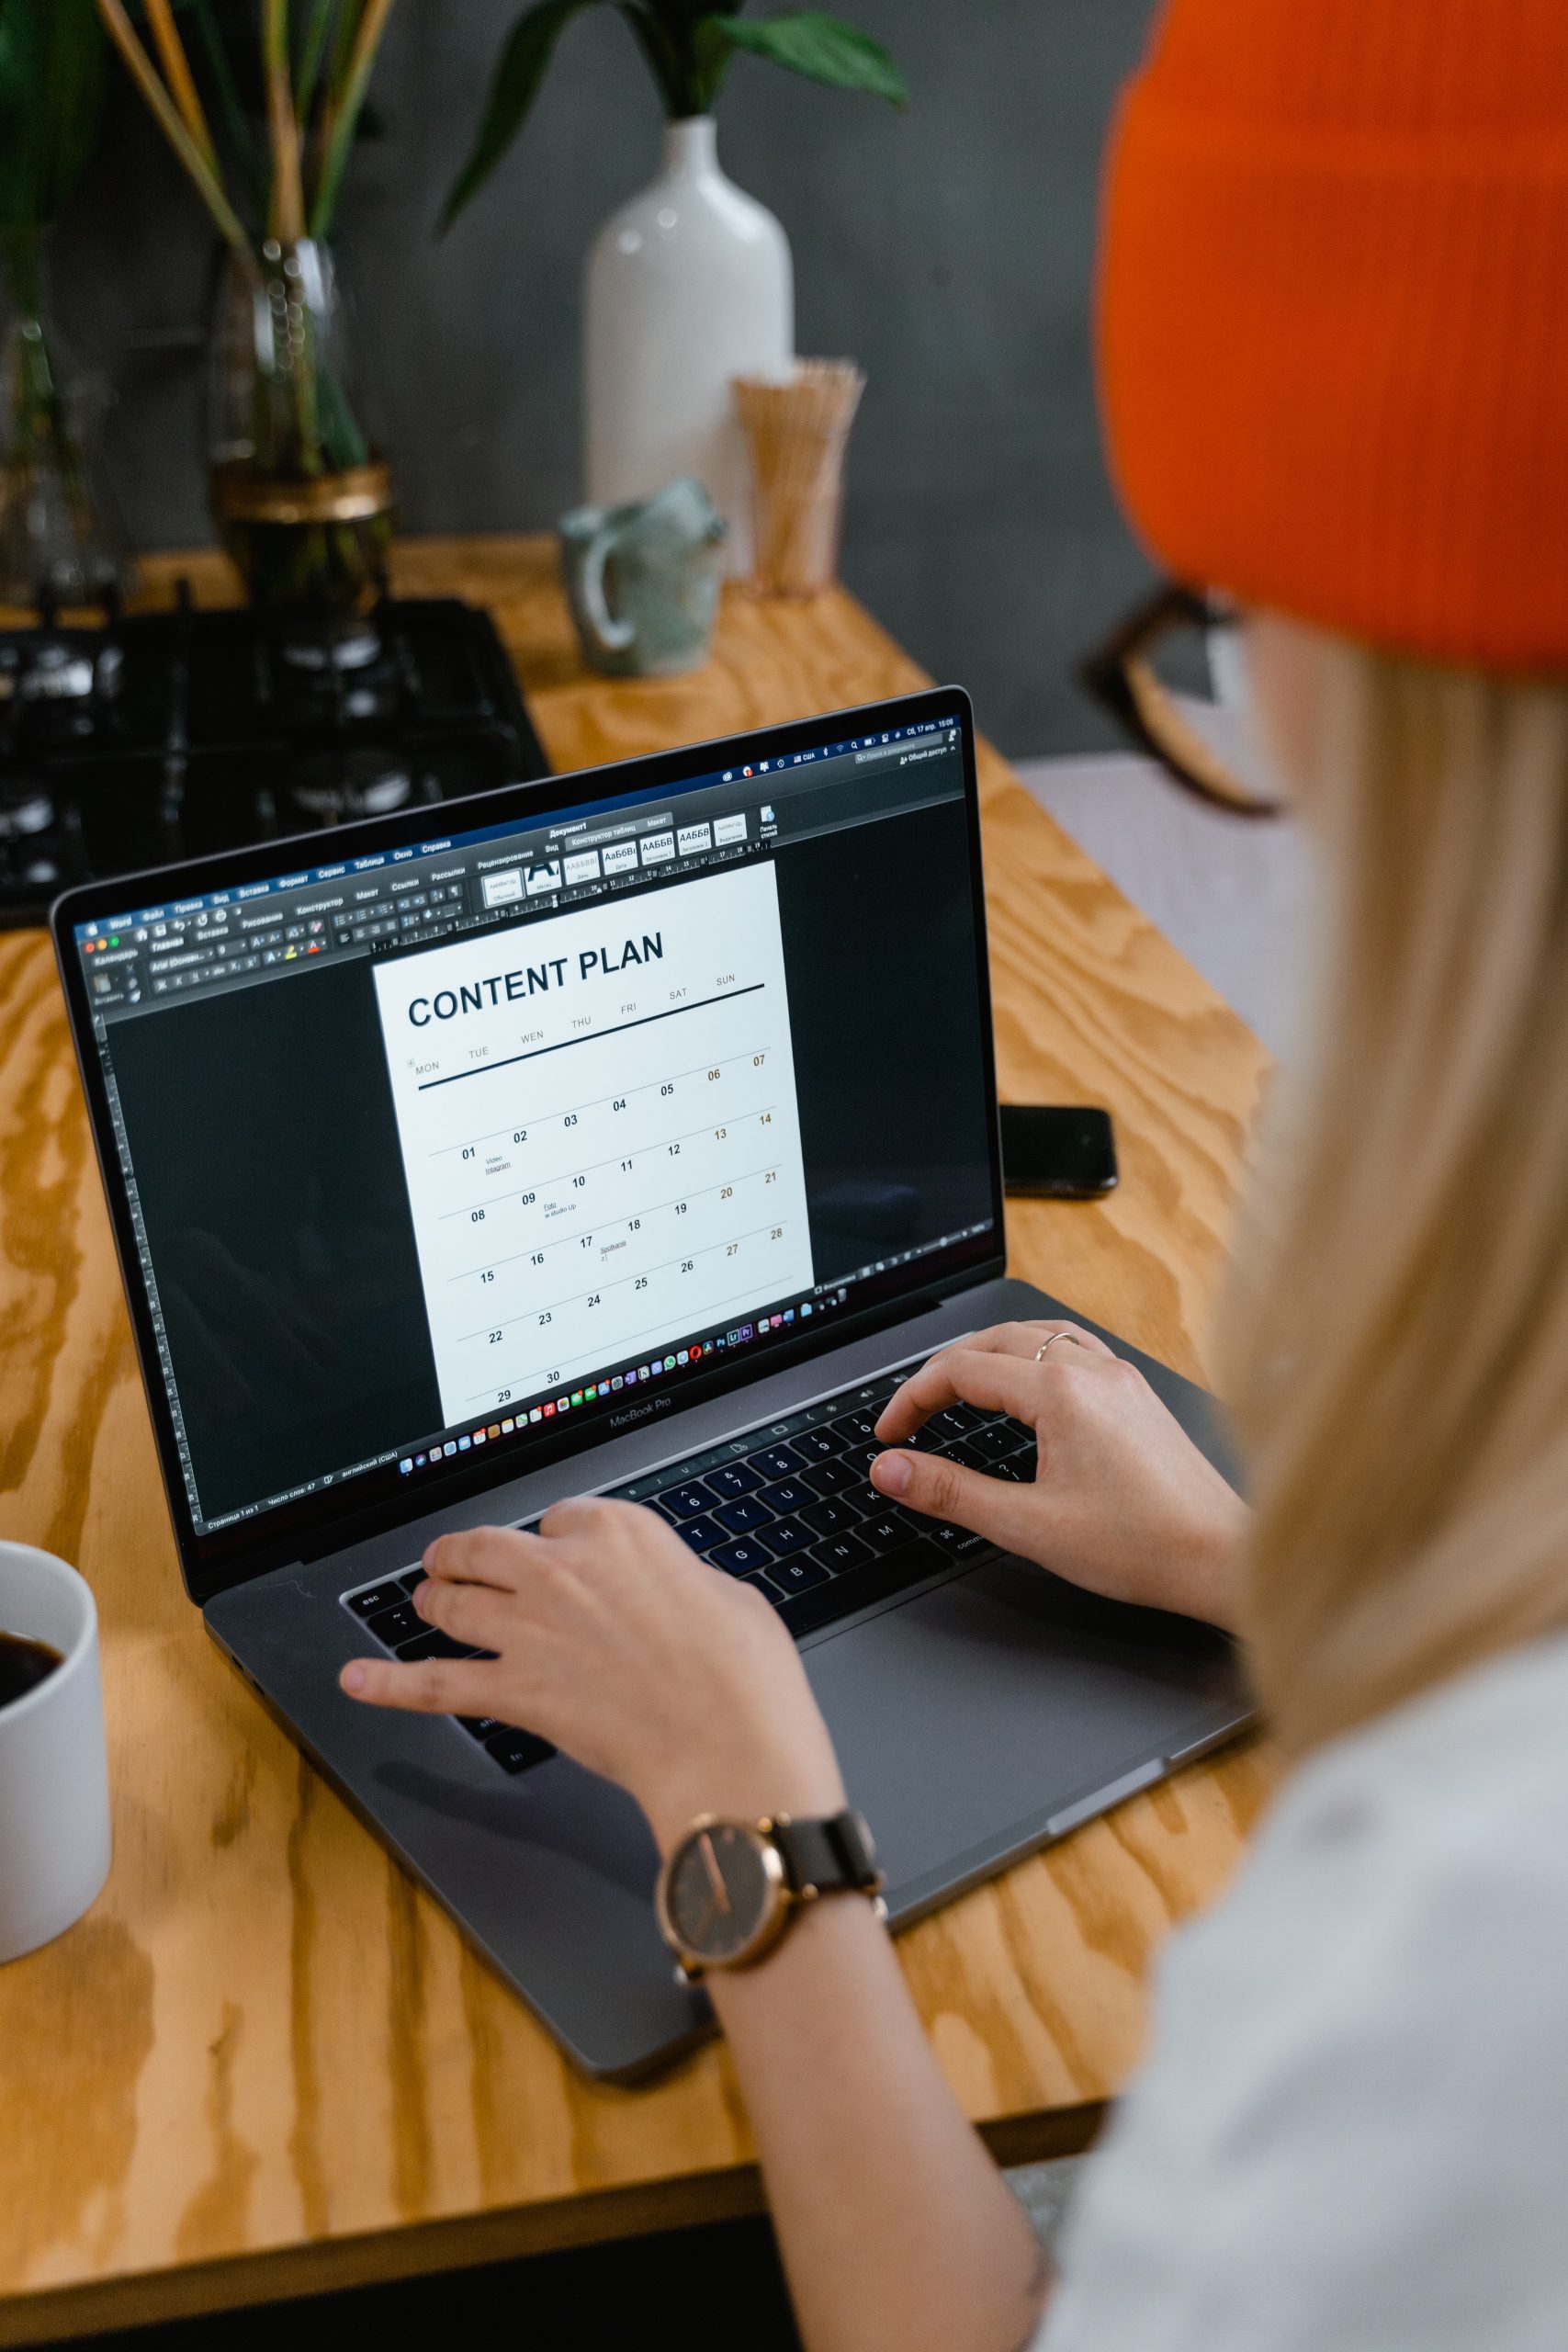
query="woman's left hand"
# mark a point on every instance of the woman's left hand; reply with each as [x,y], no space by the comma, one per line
[614,1641]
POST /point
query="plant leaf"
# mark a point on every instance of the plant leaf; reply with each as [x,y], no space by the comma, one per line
[311,56]
[711,53]
[51,88]
[682,42]
[242,139]
[687,12]
[821,46]
[518,75]
[660,43]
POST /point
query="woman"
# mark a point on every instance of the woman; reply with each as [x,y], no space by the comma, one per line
[1336,361]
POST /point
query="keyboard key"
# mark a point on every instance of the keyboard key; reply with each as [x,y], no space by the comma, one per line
[873,1506]
[376,1597]
[774,1462]
[686,1501]
[481,1727]
[960,1543]
[787,1494]
[786,1535]
[855,1429]
[433,1643]
[884,1533]
[742,1557]
[398,1623]
[966,1450]
[734,1478]
[770,1592]
[829,1477]
[990,1446]
[411,1582]
[518,1751]
[842,1552]
[860,1457]
[817,1445]
[742,1515]
[833,1518]
[701,1534]
[956,1420]
[799,1576]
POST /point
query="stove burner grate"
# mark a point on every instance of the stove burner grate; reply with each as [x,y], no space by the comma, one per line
[162,735]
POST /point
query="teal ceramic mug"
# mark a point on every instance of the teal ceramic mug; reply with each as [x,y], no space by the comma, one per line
[643,580]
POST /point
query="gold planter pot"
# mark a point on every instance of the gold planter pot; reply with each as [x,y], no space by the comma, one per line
[320,543]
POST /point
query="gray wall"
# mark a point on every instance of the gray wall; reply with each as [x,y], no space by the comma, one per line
[948,249]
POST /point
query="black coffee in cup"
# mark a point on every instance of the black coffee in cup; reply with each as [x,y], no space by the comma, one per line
[24,1664]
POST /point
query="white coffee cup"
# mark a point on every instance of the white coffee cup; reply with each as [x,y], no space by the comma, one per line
[54,1782]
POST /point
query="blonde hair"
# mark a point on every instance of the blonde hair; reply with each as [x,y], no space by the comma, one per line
[1399,1333]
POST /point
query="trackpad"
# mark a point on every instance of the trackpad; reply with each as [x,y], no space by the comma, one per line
[969,1717]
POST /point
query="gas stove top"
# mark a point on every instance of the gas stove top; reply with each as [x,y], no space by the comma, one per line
[156,736]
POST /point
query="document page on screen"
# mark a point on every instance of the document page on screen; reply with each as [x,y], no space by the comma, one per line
[599,1130]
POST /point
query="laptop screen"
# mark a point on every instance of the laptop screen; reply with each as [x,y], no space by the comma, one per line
[469,1142]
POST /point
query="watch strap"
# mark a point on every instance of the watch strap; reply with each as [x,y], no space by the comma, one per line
[835,1856]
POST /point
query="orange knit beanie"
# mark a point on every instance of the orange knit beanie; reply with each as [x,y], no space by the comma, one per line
[1334,315]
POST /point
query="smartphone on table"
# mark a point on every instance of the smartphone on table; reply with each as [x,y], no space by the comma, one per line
[1056,1151]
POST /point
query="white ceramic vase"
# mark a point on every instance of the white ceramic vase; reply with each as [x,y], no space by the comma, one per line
[687,285]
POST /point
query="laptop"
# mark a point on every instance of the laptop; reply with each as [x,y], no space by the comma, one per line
[631,1133]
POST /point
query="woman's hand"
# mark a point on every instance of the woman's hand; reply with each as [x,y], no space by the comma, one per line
[614,1641]
[1122,1501]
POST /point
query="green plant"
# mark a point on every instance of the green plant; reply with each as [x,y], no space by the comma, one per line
[315,59]
[273,197]
[51,88]
[689,45]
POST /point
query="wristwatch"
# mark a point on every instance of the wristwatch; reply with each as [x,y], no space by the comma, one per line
[729,1889]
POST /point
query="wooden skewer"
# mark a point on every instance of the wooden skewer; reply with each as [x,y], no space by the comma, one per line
[339,138]
[144,74]
[283,132]
[177,73]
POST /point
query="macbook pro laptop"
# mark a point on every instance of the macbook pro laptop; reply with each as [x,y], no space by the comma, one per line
[632,1133]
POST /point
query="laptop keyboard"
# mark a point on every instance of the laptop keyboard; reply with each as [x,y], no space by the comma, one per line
[789,1509]
[385,1611]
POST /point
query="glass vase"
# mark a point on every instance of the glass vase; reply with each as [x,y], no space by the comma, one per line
[302,496]
[62,541]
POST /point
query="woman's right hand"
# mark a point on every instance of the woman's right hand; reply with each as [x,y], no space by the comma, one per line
[1122,1501]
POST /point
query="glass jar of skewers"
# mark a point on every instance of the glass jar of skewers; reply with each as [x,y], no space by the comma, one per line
[797,433]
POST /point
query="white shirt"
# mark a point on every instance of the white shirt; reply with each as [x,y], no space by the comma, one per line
[1351,2134]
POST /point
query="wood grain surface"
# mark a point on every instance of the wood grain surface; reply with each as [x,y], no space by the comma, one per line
[266,2061]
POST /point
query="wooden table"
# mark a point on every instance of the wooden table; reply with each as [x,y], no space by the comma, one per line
[266,2062]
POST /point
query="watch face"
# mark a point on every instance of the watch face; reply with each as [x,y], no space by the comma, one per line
[723,1890]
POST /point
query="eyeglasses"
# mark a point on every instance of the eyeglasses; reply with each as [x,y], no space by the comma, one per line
[1201,742]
